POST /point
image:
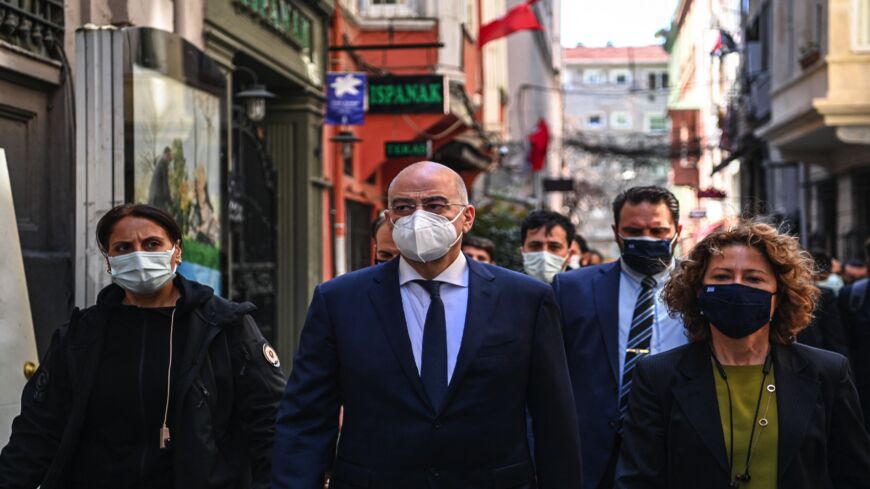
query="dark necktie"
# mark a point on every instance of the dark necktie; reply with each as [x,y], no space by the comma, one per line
[433,368]
[639,337]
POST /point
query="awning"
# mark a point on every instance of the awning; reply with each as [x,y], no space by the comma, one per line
[463,154]
[747,146]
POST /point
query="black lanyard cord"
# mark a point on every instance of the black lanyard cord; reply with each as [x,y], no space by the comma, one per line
[768,362]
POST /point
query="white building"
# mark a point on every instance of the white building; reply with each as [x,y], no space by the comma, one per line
[704,89]
[616,126]
[533,93]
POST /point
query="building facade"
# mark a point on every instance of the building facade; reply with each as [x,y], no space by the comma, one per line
[36,117]
[616,129]
[703,98]
[815,133]
[435,40]
[263,182]
[534,94]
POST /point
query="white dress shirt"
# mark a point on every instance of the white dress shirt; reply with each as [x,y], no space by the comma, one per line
[668,331]
[415,304]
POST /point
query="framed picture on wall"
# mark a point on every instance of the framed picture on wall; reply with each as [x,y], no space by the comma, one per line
[175,131]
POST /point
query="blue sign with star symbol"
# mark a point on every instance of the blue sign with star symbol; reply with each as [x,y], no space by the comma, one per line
[345,98]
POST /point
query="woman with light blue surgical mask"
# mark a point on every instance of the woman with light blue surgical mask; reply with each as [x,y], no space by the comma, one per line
[148,387]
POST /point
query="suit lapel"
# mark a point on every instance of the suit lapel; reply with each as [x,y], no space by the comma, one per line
[387,300]
[481,307]
[796,399]
[606,290]
[696,396]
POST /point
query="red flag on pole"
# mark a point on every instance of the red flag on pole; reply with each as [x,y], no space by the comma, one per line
[519,18]
[538,143]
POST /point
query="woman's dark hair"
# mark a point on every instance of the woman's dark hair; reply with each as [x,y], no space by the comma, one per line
[651,194]
[153,214]
[796,293]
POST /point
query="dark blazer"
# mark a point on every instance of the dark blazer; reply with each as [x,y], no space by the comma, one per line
[355,352]
[826,331]
[589,302]
[673,433]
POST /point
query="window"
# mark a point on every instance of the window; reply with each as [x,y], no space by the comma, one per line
[390,8]
[758,42]
[652,81]
[620,77]
[861,25]
[620,120]
[594,121]
[665,82]
[593,77]
[654,122]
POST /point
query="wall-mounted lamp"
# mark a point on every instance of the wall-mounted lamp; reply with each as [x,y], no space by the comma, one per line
[254,96]
[347,139]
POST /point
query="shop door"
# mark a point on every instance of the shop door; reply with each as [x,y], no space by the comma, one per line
[33,135]
[252,216]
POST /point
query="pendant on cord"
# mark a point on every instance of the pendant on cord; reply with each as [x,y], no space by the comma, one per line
[164,436]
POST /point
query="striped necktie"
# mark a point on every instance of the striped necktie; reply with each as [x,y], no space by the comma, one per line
[639,337]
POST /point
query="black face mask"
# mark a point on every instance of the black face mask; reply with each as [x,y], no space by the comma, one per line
[735,310]
[647,256]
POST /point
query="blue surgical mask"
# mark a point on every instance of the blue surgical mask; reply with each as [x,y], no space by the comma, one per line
[648,256]
[735,310]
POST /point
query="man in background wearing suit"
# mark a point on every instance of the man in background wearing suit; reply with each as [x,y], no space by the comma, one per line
[434,391]
[613,315]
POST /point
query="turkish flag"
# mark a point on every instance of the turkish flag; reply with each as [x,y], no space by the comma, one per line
[538,143]
[519,18]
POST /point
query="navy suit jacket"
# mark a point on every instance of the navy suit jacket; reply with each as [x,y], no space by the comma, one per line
[355,352]
[589,301]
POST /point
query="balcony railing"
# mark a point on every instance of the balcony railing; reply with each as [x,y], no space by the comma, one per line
[33,25]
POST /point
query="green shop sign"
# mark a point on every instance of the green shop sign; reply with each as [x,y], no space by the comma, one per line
[426,94]
[402,149]
[282,17]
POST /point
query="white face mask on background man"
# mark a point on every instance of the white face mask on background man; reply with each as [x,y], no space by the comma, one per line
[424,236]
[542,265]
[143,272]
[574,262]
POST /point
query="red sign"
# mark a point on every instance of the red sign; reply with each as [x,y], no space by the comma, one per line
[712,193]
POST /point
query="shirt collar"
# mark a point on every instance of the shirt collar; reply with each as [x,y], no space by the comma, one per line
[638,277]
[456,274]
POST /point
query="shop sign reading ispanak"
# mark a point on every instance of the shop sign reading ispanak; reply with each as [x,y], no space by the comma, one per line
[416,94]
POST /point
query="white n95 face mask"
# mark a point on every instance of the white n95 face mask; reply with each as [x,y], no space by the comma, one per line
[424,236]
[542,265]
[143,272]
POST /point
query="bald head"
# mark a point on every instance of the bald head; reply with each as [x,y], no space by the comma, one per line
[427,177]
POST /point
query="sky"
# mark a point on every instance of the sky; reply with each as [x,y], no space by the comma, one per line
[595,23]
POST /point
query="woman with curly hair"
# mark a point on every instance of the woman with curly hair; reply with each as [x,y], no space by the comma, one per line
[744,406]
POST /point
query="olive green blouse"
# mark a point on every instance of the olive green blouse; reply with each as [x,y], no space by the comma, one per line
[745,381]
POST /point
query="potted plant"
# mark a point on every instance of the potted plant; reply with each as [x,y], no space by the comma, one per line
[809,54]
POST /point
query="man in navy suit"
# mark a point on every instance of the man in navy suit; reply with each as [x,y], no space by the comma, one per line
[613,316]
[435,359]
